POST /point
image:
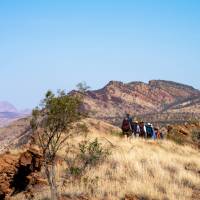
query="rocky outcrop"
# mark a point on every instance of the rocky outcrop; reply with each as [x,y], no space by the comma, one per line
[7,172]
[19,172]
[117,98]
[189,133]
[15,135]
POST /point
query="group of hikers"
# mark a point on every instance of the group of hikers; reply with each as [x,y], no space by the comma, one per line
[139,129]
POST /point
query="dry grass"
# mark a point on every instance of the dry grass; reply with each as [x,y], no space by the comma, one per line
[153,169]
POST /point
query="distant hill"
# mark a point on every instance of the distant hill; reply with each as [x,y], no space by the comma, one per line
[7,107]
[138,98]
[9,113]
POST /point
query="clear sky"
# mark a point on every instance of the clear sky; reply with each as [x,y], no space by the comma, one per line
[51,44]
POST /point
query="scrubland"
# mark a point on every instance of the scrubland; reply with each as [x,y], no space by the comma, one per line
[140,169]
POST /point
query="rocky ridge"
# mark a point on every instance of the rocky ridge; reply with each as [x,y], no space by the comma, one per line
[137,98]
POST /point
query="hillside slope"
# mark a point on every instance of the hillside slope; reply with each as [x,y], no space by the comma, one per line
[137,98]
[18,134]
[136,170]
[191,105]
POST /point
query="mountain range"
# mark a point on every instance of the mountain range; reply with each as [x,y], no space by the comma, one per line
[142,100]
[9,113]
[158,101]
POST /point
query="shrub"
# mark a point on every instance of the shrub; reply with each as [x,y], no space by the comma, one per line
[196,136]
[89,155]
[174,135]
[117,133]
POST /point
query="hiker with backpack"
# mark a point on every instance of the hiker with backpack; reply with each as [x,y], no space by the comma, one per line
[136,128]
[143,131]
[159,134]
[150,131]
[127,126]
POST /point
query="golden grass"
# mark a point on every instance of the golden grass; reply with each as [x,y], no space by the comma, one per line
[153,169]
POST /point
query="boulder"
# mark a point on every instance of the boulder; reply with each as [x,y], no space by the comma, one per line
[18,172]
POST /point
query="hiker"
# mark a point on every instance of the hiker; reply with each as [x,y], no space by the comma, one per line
[143,131]
[159,134]
[150,131]
[127,126]
[136,128]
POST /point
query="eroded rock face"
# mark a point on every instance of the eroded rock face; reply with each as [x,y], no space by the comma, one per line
[185,134]
[18,172]
[137,98]
[7,171]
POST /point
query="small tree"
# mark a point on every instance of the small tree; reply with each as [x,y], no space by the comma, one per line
[82,87]
[52,123]
[164,104]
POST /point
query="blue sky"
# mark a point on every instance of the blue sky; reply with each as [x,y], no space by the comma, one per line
[46,44]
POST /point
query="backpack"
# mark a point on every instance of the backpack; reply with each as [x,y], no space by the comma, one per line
[135,127]
[126,125]
[142,131]
[149,131]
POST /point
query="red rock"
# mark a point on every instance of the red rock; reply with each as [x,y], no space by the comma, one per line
[16,170]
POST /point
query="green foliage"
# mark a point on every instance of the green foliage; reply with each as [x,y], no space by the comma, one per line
[196,136]
[82,87]
[193,120]
[177,140]
[92,152]
[164,104]
[82,127]
[117,133]
[75,171]
[54,118]
[53,123]
[91,183]
[89,155]
[175,136]
[60,111]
